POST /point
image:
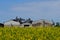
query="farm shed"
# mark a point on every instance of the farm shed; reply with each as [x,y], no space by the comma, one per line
[11,23]
[42,23]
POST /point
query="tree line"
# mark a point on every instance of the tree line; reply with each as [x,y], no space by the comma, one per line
[56,24]
[21,20]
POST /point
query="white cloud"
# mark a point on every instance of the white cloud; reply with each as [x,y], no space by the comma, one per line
[46,9]
[37,6]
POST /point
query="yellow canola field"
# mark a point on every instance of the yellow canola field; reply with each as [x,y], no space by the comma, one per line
[30,33]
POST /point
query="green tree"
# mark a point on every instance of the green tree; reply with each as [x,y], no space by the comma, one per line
[29,20]
[57,24]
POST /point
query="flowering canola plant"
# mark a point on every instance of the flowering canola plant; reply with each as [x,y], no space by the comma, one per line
[30,33]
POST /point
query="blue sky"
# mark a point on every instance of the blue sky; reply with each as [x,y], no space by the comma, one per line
[34,9]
